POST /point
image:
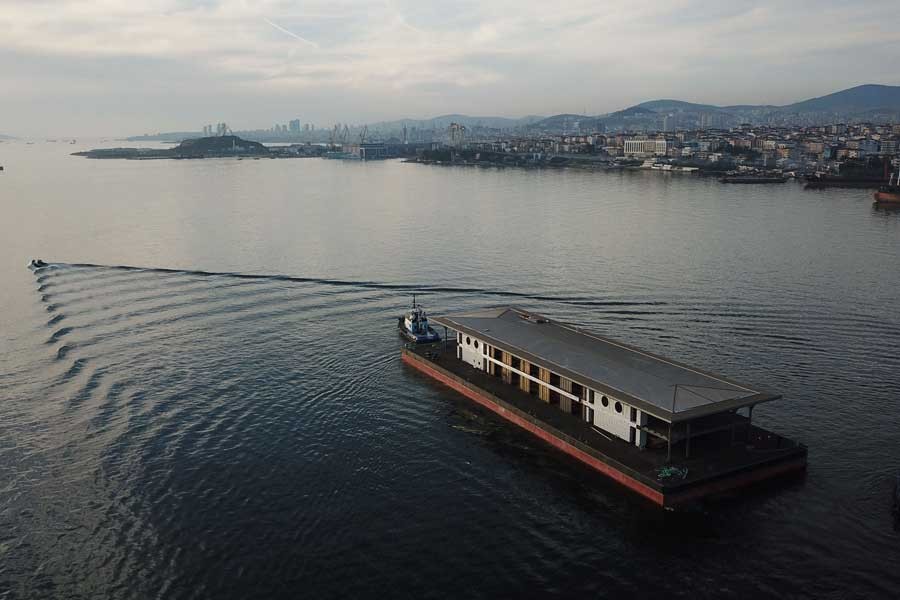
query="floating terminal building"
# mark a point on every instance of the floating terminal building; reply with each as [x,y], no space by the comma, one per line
[670,432]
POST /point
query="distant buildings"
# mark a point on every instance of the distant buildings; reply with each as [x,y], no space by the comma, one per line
[796,149]
[642,147]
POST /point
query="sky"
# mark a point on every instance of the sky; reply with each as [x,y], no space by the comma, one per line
[121,67]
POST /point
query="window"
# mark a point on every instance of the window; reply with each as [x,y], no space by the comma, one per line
[633,414]
[591,396]
[468,341]
[618,406]
[484,349]
[604,401]
[459,337]
[476,344]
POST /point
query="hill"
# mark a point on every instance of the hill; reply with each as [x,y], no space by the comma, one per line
[566,122]
[860,103]
[674,105]
[226,145]
[862,98]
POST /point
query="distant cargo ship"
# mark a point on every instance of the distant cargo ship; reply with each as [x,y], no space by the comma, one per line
[889,194]
[752,179]
[338,155]
[840,181]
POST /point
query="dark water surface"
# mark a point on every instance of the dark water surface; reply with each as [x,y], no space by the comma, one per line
[201,435]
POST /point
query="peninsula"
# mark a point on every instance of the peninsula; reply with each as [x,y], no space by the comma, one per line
[206,147]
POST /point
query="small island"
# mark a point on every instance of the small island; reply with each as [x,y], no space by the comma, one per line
[205,147]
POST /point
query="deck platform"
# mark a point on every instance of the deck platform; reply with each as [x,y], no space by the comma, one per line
[734,455]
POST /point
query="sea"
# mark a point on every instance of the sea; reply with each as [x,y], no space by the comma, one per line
[201,396]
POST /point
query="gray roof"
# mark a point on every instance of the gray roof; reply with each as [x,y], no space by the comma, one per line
[659,386]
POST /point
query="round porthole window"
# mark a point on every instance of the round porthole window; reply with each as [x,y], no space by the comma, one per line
[468,341]
[618,407]
[476,344]
[604,401]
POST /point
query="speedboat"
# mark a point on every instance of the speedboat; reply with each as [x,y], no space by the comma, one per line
[36,263]
[415,328]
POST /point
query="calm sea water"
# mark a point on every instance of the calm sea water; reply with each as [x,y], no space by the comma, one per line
[186,435]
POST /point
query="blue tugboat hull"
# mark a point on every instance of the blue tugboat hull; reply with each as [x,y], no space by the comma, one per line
[421,338]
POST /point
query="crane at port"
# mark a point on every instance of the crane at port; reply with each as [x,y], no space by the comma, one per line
[334,136]
[363,133]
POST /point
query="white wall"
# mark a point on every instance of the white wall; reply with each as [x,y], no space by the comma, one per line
[471,354]
[606,418]
[617,423]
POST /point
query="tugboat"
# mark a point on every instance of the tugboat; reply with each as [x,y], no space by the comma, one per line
[889,195]
[414,326]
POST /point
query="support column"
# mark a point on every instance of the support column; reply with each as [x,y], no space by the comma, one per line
[669,450]
[687,443]
[750,423]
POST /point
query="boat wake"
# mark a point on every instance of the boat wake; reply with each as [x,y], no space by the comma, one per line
[376,285]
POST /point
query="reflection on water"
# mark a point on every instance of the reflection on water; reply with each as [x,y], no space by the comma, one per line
[229,418]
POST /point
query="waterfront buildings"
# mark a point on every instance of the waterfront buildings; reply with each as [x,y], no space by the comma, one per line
[799,150]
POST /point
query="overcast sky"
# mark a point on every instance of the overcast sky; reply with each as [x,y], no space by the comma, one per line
[116,67]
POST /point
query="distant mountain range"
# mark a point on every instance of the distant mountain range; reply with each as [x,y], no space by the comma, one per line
[876,103]
[7,137]
[862,103]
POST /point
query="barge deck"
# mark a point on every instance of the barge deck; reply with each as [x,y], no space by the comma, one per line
[729,453]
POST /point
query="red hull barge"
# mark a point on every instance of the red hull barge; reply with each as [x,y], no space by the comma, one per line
[889,195]
[670,466]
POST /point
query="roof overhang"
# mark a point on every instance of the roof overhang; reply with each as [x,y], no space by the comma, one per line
[752,398]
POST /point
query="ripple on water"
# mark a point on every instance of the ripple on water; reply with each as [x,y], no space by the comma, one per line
[207,424]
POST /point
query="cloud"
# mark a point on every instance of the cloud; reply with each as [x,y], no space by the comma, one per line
[392,58]
[291,33]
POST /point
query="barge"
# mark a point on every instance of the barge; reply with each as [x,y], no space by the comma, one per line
[752,179]
[667,431]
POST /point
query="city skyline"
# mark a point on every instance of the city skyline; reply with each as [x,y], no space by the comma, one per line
[115,69]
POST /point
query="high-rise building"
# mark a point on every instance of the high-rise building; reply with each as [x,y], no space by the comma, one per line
[295,126]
